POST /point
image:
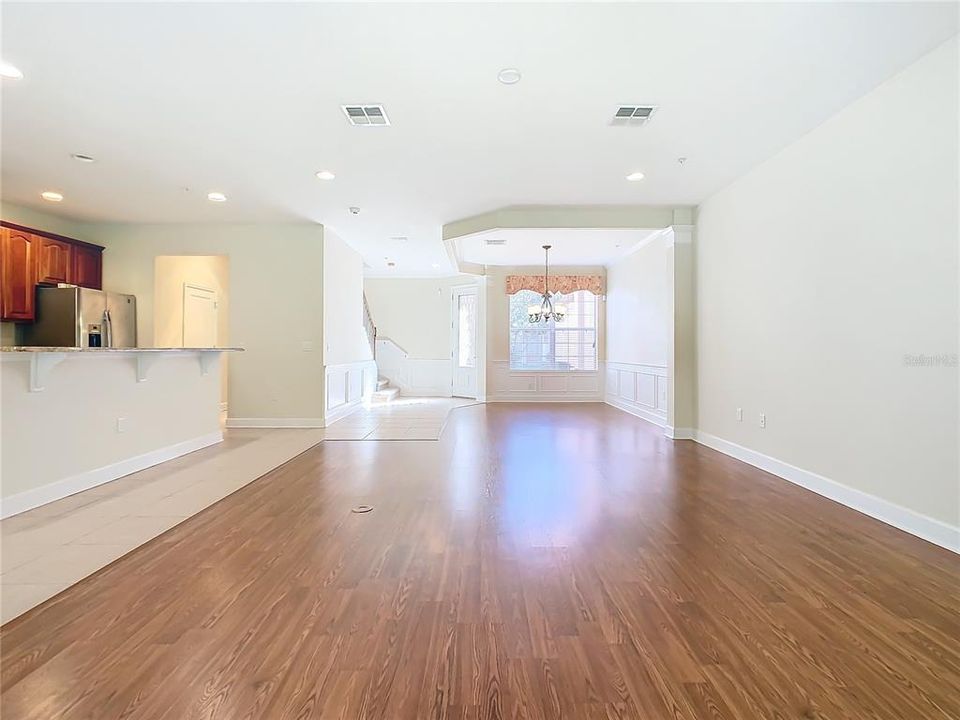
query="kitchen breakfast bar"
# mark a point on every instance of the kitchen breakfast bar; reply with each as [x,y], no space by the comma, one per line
[73,418]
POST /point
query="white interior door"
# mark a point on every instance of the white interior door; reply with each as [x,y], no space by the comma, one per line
[199,316]
[465,339]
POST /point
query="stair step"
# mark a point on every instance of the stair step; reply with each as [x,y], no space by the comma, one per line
[385,395]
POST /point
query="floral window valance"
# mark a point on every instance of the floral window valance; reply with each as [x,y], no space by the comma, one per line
[563,284]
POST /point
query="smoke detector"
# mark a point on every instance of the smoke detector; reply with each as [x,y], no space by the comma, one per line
[633,115]
[354,210]
[369,115]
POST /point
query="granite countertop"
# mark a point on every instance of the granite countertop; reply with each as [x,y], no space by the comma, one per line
[37,349]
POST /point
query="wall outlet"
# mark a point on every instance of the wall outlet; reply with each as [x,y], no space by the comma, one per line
[763,420]
[122,425]
[739,414]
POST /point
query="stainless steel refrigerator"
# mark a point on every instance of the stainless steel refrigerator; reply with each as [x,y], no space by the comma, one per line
[81,317]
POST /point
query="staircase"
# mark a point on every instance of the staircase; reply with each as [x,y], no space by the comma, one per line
[385,392]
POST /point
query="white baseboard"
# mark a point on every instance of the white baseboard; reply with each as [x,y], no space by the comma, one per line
[910,521]
[650,416]
[540,398]
[678,433]
[21,502]
[409,391]
[274,422]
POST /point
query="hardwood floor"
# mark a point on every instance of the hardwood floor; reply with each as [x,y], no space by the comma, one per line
[536,562]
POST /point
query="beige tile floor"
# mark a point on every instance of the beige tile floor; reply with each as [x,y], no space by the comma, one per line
[403,419]
[45,550]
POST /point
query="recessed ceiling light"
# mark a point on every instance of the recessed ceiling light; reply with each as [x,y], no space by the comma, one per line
[399,238]
[10,71]
[216,197]
[325,175]
[436,266]
[51,196]
[634,176]
[509,76]
[80,157]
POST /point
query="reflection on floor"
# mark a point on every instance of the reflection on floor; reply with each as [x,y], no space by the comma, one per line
[47,549]
[402,419]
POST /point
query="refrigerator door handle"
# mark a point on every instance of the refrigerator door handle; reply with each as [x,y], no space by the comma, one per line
[107,329]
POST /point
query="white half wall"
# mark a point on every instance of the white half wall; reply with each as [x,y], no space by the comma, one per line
[101,421]
[415,377]
[827,300]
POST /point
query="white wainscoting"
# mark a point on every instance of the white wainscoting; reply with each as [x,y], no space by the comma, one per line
[416,377]
[506,385]
[640,390]
[346,386]
[425,377]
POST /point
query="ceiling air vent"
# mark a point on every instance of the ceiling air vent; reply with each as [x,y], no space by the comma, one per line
[366,114]
[495,241]
[635,115]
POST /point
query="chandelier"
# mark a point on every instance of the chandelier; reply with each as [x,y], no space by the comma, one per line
[546,310]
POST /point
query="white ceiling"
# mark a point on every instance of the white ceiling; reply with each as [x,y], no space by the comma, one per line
[569,246]
[245,99]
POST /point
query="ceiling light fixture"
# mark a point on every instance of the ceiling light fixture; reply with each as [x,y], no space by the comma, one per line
[435,266]
[635,176]
[51,196]
[546,310]
[325,175]
[80,157]
[509,76]
[10,71]
[216,197]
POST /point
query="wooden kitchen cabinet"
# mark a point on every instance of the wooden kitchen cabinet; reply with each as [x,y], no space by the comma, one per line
[30,257]
[18,274]
[88,266]
[54,261]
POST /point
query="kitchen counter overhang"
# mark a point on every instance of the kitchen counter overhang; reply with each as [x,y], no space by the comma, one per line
[44,359]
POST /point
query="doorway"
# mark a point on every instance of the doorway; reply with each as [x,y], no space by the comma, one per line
[465,337]
[191,299]
[199,316]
